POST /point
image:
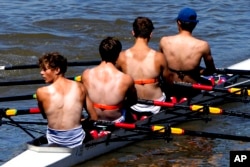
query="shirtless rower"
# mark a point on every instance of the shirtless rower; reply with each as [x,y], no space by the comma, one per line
[145,65]
[184,52]
[107,87]
[61,102]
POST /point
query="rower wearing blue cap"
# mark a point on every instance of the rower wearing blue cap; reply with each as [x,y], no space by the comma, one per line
[184,53]
[187,15]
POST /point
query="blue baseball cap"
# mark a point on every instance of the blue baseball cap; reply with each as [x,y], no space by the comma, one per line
[187,15]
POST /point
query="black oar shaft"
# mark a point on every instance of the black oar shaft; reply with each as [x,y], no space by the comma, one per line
[232,71]
[30,66]
[234,113]
[15,98]
[10,67]
[29,82]
[216,135]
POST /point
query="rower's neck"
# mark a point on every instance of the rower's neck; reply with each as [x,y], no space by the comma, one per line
[185,33]
[141,42]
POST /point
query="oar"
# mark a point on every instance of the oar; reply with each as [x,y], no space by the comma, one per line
[194,107]
[172,130]
[14,112]
[16,67]
[232,71]
[180,131]
[29,82]
[26,122]
[20,97]
[239,91]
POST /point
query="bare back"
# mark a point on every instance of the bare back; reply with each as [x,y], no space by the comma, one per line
[184,53]
[108,86]
[142,64]
[63,102]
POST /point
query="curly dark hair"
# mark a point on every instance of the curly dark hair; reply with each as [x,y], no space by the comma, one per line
[53,60]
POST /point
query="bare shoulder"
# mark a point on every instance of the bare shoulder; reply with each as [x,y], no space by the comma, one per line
[85,74]
[159,55]
[128,79]
[201,42]
[160,58]
[165,41]
[41,92]
[80,85]
[120,60]
[121,56]
[204,45]
[166,38]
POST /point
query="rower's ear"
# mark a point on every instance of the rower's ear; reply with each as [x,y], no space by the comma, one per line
[57,70]
[178,22]
[133,33]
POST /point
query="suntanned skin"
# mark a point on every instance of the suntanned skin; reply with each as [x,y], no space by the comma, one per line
[184,52]
[107,85]
[140,66]
[62,101]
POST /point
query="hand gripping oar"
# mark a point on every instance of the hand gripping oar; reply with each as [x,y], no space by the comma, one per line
[16,67]
[172,130]
[197,108]
[14,112]
[29,82]
[239,91]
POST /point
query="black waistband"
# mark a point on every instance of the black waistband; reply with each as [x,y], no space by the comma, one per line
[182,74]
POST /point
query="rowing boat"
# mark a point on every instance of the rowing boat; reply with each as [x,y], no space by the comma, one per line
[39,154]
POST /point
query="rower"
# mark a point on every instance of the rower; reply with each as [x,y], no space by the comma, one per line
[61,102]
[145,65]
[107,87]
[184,53]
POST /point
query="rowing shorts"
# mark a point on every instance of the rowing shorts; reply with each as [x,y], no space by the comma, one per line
[67,138]
[149,108]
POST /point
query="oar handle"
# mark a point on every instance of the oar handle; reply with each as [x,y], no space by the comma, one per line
[130,126]
[154,102]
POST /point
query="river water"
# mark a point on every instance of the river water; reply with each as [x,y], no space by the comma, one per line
[75,28]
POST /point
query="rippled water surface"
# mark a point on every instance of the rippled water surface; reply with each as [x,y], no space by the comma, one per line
[75,28]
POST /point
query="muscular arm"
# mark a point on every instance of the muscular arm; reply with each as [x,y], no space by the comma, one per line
[160,45]
[208,60]
[39,102]
[131,95]
[120,61]
[90,109]
[88,103]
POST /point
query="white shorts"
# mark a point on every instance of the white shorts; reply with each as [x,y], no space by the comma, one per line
[149,108]
[68,138]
